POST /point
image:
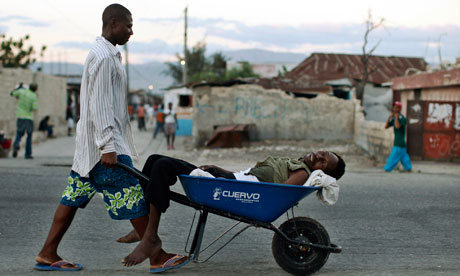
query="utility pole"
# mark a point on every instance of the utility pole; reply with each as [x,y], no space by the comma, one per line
[184,63]
[127,67]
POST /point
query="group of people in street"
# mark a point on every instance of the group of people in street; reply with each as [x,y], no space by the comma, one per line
[165,121]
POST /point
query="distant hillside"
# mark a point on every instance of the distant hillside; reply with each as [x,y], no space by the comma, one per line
[143,75]
[140,75]
[264,56]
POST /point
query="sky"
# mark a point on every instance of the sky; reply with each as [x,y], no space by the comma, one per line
[427,29]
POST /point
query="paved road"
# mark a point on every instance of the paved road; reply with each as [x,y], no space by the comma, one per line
[388,224]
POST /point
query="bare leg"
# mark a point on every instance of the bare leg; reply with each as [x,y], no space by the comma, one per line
[150,245]
[168,141]
[173,136]
[130,237]
[62,219]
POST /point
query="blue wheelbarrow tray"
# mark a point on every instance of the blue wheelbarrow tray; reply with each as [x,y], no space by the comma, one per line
[260,201]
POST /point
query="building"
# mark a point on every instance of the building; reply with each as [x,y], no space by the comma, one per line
[341,72]
[182,100]
[431,102]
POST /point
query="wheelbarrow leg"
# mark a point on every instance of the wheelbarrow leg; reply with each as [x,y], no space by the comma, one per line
[198,237]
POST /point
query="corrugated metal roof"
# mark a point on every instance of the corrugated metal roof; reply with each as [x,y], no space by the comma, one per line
[324,67]
[428,80]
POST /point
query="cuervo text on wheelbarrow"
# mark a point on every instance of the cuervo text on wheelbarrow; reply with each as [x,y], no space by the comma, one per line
[240,196]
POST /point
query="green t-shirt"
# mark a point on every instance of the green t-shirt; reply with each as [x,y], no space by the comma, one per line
[400,134]
[27,103]
[276,169]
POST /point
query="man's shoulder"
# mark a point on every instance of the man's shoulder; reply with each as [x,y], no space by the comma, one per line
[96,56]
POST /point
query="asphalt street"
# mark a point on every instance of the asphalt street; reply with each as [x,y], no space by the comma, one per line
[387,223]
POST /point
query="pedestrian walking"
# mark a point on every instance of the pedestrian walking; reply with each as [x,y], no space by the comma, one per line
[160,121]
[170,126]
[104,137]
[27,104]
[399,151]
[70,120]
[141,118]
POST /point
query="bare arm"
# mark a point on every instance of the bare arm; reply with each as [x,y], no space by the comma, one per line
[397,123]
[387,123]
[298,177]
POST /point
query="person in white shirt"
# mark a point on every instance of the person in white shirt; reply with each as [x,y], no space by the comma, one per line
[103,138]
[170,126]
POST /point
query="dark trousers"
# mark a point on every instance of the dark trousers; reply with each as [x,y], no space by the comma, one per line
[162,171]
[22,126]
[158,126]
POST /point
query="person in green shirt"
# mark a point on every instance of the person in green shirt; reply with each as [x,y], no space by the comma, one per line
[27,104]
[399,151]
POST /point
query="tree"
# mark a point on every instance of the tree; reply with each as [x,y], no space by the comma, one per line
[14,53]
[367,54]
[200,68]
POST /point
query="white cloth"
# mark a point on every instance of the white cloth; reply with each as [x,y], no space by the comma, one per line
[241,175]
[330,189]
[70,123]
[104,121]
[200,172]
[170,116]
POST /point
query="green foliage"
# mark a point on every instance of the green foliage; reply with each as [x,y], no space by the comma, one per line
[212,69]
[284,72]
[14,53]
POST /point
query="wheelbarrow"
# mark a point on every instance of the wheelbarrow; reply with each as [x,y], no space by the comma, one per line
[300,245]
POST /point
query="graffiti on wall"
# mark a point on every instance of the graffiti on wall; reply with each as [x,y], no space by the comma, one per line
[457,117]
[259,108]
[439,113]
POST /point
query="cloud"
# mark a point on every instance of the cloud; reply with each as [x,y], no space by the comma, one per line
[225,35]
[3,29]
[74,45]
[25,20]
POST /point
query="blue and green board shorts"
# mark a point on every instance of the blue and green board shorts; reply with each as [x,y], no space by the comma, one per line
[122,193]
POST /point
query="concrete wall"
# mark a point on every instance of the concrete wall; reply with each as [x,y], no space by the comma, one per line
[372,136]
[52,98]
[275,114]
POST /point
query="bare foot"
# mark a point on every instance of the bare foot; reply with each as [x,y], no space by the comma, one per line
[165,257]
[51,260]
[42,259]
[147,248]
[130,237]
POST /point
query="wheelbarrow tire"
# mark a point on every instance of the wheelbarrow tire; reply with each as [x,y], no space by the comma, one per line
[297,260]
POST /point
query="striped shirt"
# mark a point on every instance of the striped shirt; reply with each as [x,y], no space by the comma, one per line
[104,122]
[27,103]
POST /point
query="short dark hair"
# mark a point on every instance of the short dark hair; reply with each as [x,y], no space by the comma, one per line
[33,86]
[339,169]
[114,11]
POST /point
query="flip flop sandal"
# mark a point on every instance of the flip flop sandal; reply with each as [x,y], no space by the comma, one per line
[58,266]
[169,264]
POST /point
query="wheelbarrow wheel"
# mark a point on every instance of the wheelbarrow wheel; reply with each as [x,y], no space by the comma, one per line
[300,260]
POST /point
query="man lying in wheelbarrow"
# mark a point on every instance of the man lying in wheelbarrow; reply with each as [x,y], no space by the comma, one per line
[163,171]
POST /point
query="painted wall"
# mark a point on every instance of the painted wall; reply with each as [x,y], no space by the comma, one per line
[275,114]
[372,136]
[52,96]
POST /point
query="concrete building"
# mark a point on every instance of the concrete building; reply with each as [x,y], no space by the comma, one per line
[431,103]
[341,73]
[275,113]
[182,100]
[52,100]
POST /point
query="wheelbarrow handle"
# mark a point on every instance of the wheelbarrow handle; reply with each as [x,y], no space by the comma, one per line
[137,174]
